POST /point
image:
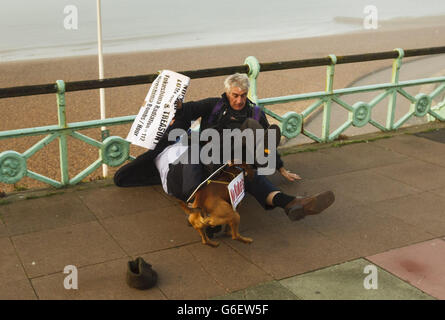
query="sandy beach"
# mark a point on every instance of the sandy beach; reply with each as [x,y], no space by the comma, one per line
[41,110]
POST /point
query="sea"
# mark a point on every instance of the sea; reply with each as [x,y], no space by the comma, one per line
[35,29]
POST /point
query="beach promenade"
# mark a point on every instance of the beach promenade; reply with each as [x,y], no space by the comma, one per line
[388,220]
[41,110]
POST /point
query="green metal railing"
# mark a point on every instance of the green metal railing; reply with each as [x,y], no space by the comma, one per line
[359,114]
[114,150]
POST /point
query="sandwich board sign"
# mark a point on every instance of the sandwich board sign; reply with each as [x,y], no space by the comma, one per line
[158,110]
[236,190]
[235,187]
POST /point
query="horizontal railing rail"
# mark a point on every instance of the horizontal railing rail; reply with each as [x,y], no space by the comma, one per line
[114,150]
[213,72]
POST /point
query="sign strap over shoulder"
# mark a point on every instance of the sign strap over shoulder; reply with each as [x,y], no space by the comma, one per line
[219,104]
[215,110]
[256,113]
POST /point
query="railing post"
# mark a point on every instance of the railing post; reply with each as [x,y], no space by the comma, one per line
[393,97]
[254,71]
[63,149]
[327,104]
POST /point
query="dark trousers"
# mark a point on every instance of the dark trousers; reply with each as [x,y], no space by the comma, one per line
[182,179]
[139,172]
[260,187]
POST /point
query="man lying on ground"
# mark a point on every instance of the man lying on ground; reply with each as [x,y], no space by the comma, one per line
[233,110]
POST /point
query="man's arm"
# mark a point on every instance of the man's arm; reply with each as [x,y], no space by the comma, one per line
[265,124]
[191,111]
[280,164]
[289,175]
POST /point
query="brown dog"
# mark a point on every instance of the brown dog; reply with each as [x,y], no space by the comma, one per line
[212,205]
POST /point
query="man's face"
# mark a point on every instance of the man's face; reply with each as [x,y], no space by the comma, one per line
[237,98]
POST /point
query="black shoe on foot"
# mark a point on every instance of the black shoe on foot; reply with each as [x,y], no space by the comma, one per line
[300,207]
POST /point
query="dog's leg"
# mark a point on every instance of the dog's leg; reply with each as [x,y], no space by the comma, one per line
[234,225]
[199,224]
[206,240]
[227,230]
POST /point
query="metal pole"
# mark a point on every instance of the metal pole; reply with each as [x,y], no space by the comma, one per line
[101,76]
[393,97]
[63,148]
[327,104]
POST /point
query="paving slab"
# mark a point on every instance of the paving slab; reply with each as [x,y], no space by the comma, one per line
[11,267]
[366,187]
[334,161]
[347,281]
[45,213]
[227,267]
[152,230]
[423,210]
[286,250]
[104,281]
[311,165]
[17,290]
[253,215]
[181,276]
[3,230]
[439,192]
[47,252]
[415,147]
[359,156]
[113,201]
[421,264]
[272,290]
[366,231]
[310,187]
[418,174]
[437,135]
[14,283]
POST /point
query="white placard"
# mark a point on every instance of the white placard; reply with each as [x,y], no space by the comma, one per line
[159,109]
[236,190]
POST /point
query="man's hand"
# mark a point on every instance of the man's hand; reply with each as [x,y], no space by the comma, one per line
[178,104]
[289,175]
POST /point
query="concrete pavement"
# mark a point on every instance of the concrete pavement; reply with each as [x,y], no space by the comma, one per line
[386,231]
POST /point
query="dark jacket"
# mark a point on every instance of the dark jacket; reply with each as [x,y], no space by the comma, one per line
[142,171]
[191,111]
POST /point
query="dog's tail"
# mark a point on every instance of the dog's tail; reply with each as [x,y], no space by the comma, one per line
[189,210]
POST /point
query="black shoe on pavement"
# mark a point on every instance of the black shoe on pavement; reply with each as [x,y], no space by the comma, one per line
[140,275]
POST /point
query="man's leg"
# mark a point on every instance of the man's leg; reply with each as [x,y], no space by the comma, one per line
[183,179]
[260,187]
[296,208]
[139,172]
